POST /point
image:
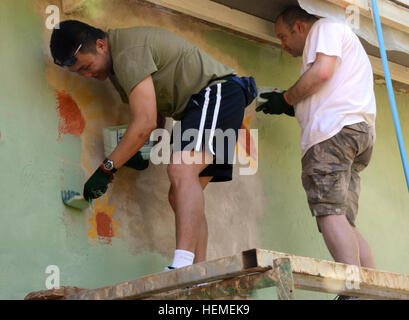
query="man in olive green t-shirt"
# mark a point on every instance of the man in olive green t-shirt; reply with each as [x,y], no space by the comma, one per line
[162,75]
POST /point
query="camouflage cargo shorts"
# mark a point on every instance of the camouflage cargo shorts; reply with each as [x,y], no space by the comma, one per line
[330,171]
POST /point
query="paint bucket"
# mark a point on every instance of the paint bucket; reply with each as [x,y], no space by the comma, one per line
[112,136]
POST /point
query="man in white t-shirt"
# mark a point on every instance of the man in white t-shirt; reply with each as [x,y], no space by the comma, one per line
[334,103]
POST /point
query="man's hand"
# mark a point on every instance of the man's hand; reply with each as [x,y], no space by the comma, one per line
[97,184]
[137,162]
[275,104]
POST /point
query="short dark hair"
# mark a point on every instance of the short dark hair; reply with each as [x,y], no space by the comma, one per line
[293,13]
[69,34]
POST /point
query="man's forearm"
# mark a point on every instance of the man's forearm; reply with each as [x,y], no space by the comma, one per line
[133,139]
[309,83]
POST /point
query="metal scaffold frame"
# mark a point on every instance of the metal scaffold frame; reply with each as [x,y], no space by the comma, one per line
[239,275]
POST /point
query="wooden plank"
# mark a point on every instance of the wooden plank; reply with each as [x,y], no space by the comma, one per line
[149,285]
[399,73]
[223,16]
[402,3]
[331,277]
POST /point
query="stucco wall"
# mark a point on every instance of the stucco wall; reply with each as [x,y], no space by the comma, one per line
[51,139]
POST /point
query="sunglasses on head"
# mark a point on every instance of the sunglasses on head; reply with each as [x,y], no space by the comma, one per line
[72,60]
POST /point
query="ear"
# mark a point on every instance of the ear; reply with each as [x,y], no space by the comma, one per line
[101,44]
[299,26]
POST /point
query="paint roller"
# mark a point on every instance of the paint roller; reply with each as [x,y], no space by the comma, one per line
[74,200]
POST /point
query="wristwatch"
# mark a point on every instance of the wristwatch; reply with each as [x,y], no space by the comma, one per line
[109,165]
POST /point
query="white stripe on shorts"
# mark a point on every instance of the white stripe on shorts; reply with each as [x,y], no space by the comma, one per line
[215,116]
[202,120]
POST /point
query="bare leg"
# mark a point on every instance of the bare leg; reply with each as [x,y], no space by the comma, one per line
[340,238]
[365,253]
[187,200]
[201,247]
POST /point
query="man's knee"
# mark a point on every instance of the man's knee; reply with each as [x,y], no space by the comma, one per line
[177,173]
[327,220]
[183,173]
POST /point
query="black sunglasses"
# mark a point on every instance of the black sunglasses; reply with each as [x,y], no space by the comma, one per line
[72,60]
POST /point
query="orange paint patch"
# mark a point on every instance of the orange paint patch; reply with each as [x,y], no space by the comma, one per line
[104,227]
[71,120]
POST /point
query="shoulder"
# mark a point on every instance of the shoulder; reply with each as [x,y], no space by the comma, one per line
[331,25]
[134,31]
[141,35]
[123,40]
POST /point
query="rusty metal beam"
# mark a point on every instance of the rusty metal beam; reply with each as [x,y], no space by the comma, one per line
[203,272]
[285,285]
[279,276]
[252,270]
[233,287]
[331,277]
[52,294]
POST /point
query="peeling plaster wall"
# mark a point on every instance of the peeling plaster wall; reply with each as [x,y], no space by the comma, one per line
[145,219]
[51,139]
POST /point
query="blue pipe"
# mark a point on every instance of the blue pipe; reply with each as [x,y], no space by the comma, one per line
[390,90]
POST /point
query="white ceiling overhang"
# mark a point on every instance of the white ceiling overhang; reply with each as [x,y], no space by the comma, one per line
[394,15]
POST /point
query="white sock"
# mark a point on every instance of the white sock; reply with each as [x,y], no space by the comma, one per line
[182,258]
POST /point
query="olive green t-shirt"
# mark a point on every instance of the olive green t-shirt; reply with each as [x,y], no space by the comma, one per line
[178,68]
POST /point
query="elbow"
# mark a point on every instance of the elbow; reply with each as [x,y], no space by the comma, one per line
[146,128]
[151,125]
[324,76]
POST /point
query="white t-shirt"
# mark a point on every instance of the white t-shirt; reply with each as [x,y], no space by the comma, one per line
[348,96]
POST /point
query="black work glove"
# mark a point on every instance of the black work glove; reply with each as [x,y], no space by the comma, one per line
[275,104]
[97,184]
[137,162]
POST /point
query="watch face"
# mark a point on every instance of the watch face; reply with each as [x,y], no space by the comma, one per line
[108,165]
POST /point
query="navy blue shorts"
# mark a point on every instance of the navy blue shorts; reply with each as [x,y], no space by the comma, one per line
[215,114]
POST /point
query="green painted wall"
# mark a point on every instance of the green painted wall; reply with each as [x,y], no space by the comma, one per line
[34,233]
[37,230]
